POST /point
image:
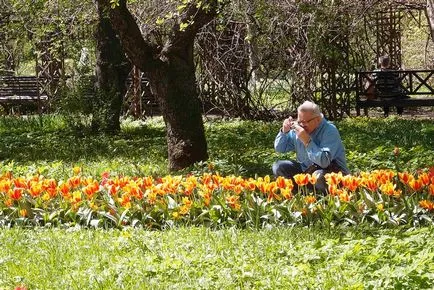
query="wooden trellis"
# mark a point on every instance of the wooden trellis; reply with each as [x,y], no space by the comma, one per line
[50,62]
[388,35]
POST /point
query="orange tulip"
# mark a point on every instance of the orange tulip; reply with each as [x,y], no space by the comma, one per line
[7,175]
[91,189]
[424,178]
[280,181]
[286,193]
[384,176]
[427,204]
[351,182]
[310,199]
[238,189]
[370,183]
[5,185]
[431,189]
[333,190]
[272,193]
[233,202]
[206,195]
[405,177]
[74,181]
[186,201]
[415,184]
[251,184]
[344,196]
[313,179]
[9,202]
[380,207]
[76,170]
[23,212]
[388,188]
[35,189]
[183,210]
[64,188]
[301,179]
[125,200]
[20,182]
[50,185]
[76,196]
[333,178]
[16,194]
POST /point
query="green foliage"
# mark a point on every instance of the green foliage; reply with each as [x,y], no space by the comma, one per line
[54,31]
[76,102]
[369,142]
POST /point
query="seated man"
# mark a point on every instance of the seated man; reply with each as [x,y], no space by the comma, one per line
[316,142]
[387,84]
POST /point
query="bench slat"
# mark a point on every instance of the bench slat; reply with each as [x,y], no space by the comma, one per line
[411,102]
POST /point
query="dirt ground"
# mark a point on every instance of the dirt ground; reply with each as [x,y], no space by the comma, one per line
[409,113]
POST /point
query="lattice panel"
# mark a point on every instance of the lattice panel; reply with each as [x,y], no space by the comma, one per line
[388,28]
[336,81]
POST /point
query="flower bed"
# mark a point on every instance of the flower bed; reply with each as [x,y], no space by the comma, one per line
[377,197]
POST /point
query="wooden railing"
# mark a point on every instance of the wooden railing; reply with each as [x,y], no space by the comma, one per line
[417,85]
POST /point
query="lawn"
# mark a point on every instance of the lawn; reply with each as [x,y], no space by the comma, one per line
[333,255]
[200,258]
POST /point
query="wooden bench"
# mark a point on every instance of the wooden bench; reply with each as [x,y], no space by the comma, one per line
[416,85]
[16,91]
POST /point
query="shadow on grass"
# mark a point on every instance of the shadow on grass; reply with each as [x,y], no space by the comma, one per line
[67,145]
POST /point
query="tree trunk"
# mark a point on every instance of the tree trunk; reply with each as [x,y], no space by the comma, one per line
[175,84]
[111,73]
[430,16]
[252,42]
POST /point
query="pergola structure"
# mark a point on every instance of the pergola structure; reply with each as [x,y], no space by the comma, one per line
[337,81]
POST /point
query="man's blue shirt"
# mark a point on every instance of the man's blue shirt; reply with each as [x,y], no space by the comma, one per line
[325,146]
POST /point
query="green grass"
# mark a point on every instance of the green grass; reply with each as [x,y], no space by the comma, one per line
[235,147]
[200,258]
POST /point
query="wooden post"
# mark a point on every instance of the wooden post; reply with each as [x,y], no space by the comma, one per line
[137,92]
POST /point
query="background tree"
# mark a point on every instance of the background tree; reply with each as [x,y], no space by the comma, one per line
[170,68]
[112,70]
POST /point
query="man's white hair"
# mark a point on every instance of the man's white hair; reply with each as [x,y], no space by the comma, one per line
[309,106]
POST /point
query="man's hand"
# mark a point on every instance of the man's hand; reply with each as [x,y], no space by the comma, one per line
[290,124]
[301,134]
[287,125]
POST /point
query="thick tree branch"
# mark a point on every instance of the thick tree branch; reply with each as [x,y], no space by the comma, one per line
[195,17]
[142,53]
